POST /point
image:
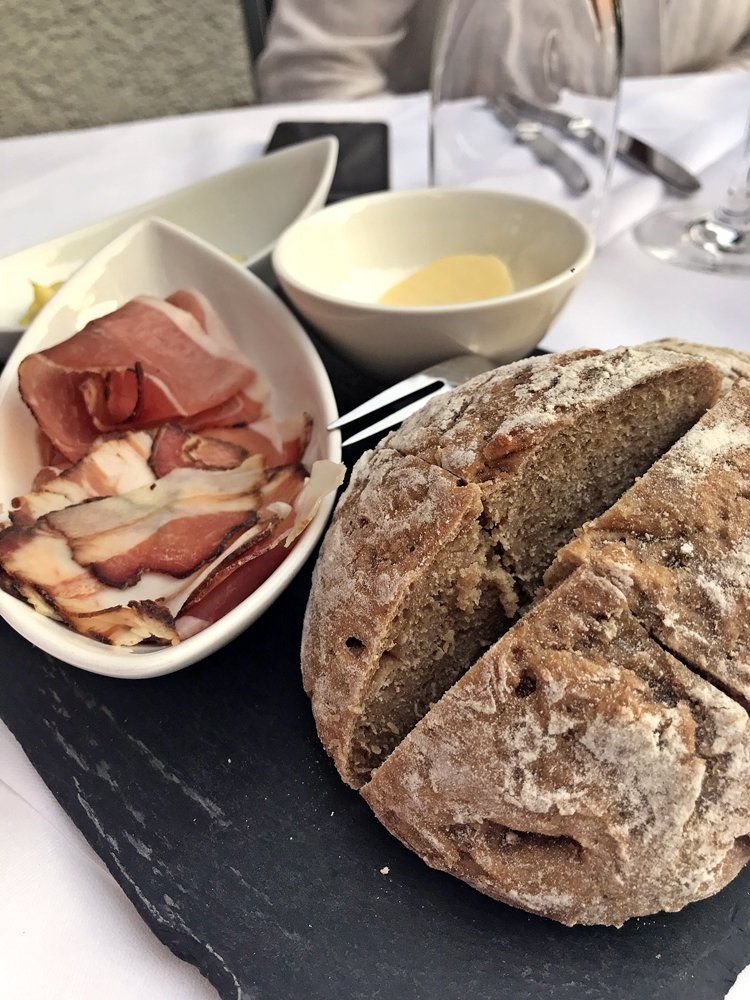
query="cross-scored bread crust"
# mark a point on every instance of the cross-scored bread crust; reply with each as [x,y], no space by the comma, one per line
[483,427]
[396,516]
[577,770]
[552,440]
[442,501]
[678,545]
[437,526]
[734,365]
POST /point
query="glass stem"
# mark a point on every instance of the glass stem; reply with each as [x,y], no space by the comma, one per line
[735,210]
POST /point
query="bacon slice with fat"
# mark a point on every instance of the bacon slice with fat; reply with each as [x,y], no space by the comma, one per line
[174,526]
[38,559]
[147,546]
[121,625]
[129,624]
[38,563]
[116,464]
[145,363]
[280,442]
[120,463]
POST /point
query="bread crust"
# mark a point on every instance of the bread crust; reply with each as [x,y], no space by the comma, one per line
[484,428]
[395,516]
[578,852]
[734,365]
[577,770]
[535,437]
[678,546]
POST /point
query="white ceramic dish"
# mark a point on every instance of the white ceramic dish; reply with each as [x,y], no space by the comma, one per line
[335,265]
[155,258]
[241,211]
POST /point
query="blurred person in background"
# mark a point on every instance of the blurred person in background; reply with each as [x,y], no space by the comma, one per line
[346,49]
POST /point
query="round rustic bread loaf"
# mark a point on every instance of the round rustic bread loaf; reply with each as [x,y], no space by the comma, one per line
[440,542]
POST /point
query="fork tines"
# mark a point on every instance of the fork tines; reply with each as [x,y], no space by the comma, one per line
[443,376]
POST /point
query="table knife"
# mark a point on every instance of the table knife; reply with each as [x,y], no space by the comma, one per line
[631,150]
[529,132]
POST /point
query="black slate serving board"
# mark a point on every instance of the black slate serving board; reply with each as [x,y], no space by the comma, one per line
[210,799]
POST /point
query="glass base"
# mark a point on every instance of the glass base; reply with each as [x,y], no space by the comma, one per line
[688,238]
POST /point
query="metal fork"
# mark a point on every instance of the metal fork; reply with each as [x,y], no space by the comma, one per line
[444,376]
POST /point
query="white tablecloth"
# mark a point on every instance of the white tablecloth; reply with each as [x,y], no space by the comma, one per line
[67,930]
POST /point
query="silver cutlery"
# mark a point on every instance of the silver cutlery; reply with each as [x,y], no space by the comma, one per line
[444,376]
[529,132]
[631,150]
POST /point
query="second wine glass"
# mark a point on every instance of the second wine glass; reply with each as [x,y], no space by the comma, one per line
[715,240]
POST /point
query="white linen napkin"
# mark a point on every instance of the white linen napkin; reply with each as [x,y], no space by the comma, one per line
[694,118]
[627,296]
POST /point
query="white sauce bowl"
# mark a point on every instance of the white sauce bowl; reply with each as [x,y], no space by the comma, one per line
[335,264]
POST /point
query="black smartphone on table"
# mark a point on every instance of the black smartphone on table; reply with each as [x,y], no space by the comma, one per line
[363,162]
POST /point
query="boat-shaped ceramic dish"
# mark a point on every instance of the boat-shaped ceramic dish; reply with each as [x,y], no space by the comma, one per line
[156,258]
[242,211]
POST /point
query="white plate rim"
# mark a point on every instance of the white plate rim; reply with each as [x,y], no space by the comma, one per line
[151,208]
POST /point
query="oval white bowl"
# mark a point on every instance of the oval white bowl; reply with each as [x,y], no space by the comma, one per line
[155,258]
[335,265]
[241,211]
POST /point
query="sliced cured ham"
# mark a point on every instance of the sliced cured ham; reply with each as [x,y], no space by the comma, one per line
[241,572]
[200,308]
[177,448]
[174,526]
[48,454]
[279,442]
[211,323]
[53,462]
[119,560]
[147,362]
[238,579]
[167,492]
[280,516]
[239,409]
[114,465]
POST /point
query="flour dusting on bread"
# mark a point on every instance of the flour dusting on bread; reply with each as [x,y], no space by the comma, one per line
[588,760]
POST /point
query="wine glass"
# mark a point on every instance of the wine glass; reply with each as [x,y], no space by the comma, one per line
[715,240]
[524,98]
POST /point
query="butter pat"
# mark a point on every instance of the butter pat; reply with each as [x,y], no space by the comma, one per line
[452,280]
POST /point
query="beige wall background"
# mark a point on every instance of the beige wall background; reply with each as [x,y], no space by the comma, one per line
[74,63]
